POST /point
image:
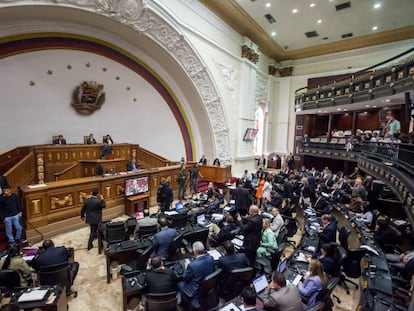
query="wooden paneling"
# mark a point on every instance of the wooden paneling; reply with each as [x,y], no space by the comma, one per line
[61,201]
[219,174]
[88,167]
[342,122]
[368,120]
[22,173]
[58,158]
[148,159]
[10,158]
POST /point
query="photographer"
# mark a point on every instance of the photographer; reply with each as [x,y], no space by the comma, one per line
[164,196]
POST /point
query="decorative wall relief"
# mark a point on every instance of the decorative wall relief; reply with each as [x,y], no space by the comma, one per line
[56,203]
[88,97]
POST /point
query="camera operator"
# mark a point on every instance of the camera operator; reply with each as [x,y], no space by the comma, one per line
[164,196]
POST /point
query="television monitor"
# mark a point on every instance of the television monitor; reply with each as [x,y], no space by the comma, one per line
[136,185]
[250,134]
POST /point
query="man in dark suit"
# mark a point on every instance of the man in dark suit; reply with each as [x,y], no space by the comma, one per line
[160,279]
[327,233]
[242,198]
[230,260]
[132,165]
[195,272]
[163,239]
[203,160]
[288,188]
[92,209]
[219,235]
[252,232]
[3,183]
[59,140]
[52,255]
[321,205]
[91,140]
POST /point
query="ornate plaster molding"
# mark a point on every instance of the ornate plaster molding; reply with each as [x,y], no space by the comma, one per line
[137,15]
[229,75]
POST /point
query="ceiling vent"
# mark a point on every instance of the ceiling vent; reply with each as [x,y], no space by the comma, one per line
[270,18]
[342,6]
[347,35]
[311,34]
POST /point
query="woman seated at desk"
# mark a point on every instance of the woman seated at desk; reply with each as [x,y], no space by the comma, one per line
[14,261]
[313,284]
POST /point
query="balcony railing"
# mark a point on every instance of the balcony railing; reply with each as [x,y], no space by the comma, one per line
[364,85]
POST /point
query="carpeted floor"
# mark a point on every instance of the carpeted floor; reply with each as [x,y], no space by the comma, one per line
[94,294]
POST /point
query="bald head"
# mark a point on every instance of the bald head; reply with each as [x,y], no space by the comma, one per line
[253,210]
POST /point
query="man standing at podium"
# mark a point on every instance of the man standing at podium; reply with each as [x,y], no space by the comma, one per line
[92,209]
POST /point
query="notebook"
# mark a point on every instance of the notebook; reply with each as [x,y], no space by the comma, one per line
[33,295]
[260,283]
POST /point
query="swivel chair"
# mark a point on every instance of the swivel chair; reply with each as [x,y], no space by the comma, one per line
[351,267]
[235,281]
[161,302]
[59,274]
[281,238]
[190,237]
[291,225]
[143,256]
[340,256]
[174,250]
[115,232]
[344,233]
[9,280]
[146,231]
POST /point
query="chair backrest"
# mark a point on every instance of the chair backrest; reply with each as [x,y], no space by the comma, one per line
[291,225]
[275,256]
[344,233]
[352,263]
[282,235]
[146,231]
[238,279]
[340,255]
[115,232]
[143,256]
[174,249]
[375,214]
[9,279]
[179,221]
[325,294]
[55,275]
[199,235]
[161,302]
[207,292]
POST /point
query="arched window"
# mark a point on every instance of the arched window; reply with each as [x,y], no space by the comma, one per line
[259,126]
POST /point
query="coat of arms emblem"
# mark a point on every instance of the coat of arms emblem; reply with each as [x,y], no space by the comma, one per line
[88,97]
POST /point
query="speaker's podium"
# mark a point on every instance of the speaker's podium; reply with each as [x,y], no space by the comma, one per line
[137,203]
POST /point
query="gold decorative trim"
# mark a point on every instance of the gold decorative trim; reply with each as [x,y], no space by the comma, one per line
[66,201]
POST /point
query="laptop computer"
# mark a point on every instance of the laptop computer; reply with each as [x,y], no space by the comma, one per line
[202,221]
[179,206]
[260,284]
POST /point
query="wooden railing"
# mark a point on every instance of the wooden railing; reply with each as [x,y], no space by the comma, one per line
[11,157]
[148,159]
[22,173]
[72,171]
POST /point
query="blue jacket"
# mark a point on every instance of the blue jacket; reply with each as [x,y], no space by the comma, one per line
[231,262]
[196,271]
[162,241]
[311,289]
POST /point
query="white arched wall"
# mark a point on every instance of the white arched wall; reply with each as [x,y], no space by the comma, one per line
[164,50]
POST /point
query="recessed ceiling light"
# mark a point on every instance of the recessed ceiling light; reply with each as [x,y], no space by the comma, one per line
[387,100]
[375,28]
[374,106]
[268,5]
[365,112]
[319,111]
[273,33]
[339,109]
[325,111]
[295,11]
[319,21]
[345,109]
[377,5]
[312,5]
[367,106]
